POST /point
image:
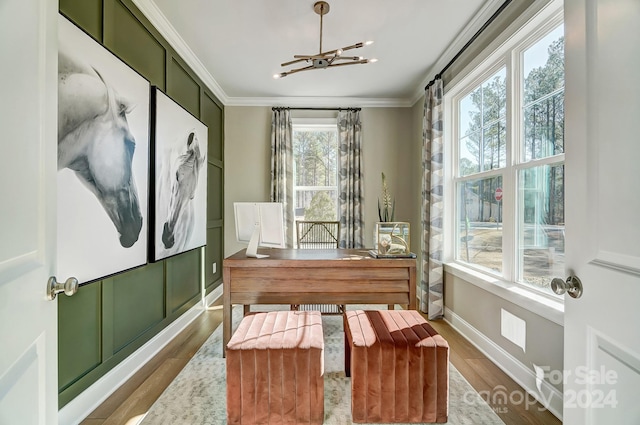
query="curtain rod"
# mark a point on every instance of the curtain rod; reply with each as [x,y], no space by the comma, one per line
[279,108]
[475,36]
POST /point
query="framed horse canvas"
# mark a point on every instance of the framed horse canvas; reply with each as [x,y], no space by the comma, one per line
[179,152]
[103,159]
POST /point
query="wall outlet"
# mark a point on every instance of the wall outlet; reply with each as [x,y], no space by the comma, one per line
[215,268]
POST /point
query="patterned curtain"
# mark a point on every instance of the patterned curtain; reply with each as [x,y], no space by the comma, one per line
[431,284]
[351,195]
[282,167]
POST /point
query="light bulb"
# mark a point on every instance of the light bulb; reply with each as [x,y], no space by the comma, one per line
[339,52]
[276,76]
[373,60]
[368,43]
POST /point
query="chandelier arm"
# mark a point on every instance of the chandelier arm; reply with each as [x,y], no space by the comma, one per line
[309,57]
[349,63]
[353,46]
[293,71]
[349,58]
[328,53]
[295,61]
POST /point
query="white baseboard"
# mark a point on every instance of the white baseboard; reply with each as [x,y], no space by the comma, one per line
[548,395]
[86,402]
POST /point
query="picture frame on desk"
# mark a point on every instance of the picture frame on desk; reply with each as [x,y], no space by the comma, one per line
[391,239]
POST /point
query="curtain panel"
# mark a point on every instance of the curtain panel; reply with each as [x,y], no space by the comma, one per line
[351,194]
[282,167]
[431,288]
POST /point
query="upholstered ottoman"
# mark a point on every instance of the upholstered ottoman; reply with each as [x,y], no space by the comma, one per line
[399,367]
[275,369]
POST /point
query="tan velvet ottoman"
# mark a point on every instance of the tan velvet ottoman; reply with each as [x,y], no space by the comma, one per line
[275,367]
[399,367]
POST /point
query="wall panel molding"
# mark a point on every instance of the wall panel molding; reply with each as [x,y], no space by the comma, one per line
[166,291]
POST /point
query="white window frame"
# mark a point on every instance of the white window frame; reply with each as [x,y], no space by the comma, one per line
[316,124]
[522,34]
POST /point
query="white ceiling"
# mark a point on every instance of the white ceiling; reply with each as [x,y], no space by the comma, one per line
[237,45]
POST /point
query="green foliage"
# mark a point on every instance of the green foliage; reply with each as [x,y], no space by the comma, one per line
[386,209]
[485,137]
[544,115]
[321,208]
[315,157]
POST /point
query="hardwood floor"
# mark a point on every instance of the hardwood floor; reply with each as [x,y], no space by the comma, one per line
[491,382]
[131,401]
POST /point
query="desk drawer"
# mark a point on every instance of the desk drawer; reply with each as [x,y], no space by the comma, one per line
[320,274]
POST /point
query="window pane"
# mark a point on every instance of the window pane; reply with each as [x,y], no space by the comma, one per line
[494,96]
[482,128]
[479,229]
[541,227]
[318,205]
[315,154]
[315,185]
[469,113]
[544,127]
[470,154]
[495,136]
[543,107]
[544,66]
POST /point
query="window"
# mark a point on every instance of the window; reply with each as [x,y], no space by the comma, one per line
[508,159]
[315,167]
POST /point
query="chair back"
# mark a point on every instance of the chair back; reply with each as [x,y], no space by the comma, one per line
[318,234]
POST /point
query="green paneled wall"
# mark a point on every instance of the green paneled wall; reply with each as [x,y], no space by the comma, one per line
[186,268]
[108,320]
[215,250]
[125,35]
[212,116]
[183,88]
[79,345]
[88,17]
[214,197]
[130,317]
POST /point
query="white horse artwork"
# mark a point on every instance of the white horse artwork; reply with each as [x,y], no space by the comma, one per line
[180,186]
[179,177]
[103,159]
[95,142]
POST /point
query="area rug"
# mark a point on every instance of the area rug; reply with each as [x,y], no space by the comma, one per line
[198,394]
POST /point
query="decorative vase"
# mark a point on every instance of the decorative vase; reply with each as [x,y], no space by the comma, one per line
[392,238]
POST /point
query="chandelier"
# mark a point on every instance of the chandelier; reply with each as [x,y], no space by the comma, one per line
[327,59]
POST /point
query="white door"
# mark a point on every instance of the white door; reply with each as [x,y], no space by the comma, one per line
[602,328]
[28,144]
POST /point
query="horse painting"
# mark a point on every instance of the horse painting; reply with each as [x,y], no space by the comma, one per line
[95,142]
[177,188]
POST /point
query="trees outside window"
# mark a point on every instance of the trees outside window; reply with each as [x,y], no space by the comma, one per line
[315,156]
[509,157]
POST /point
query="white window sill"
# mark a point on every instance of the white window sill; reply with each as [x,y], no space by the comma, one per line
[541,305]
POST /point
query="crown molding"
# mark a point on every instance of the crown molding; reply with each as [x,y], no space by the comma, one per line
[463,37]
[151,11]
[320,102]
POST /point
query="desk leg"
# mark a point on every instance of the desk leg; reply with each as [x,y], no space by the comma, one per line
[412,288]
[226,309]
[391,306]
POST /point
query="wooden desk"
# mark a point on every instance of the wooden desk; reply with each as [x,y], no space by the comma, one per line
[315,276]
